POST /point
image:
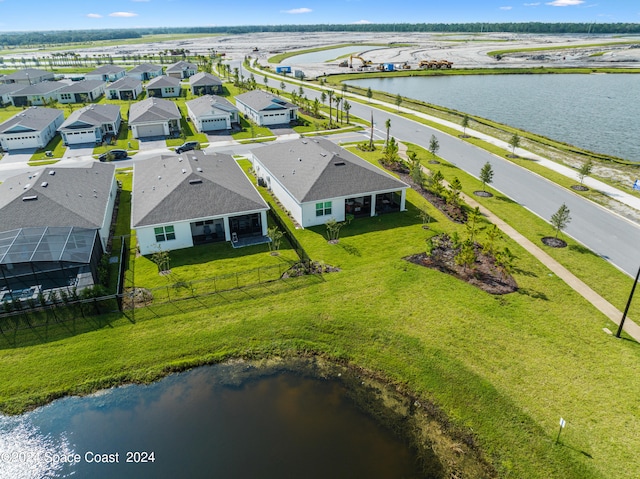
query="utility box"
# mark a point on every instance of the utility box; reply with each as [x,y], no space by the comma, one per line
[298,74]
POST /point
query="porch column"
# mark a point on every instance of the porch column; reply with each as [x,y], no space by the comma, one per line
[227,230]
[263,222]
[403,197]
[373,204]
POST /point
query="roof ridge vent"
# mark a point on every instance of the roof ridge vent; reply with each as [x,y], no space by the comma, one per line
[44,184]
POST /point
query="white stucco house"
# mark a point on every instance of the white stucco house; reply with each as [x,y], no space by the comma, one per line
[54,227]
[182,70]
[163,87]
[211,112]
[266,109]
[127,88]
[317,180]
[145,71]
[81,92]
[106,73]
[203,83]
[8,89]
[91,124]
[154,117]
[194,198]
[38,94]
[30,128]
[28,76]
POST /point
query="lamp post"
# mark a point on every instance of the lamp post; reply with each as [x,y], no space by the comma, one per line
[626,309]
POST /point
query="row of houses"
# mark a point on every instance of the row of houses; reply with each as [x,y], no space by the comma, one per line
[106,73]
[90,90]
[153,117]
[55,223]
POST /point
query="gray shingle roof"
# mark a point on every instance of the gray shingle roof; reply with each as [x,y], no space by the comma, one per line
[106,70]
[31,119]
[145,68]
[168,189]
[41,88]
[259,100]
[91,115]
[204,79]
[163,81]
[125,83]
[181,65]
[27,73]
[208,104]
[72,197]
[10,88]
[317,169]
[153,109]
[82,86]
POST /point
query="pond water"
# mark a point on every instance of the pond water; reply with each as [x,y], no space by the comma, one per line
[209,422]
[327,55]
[597,112]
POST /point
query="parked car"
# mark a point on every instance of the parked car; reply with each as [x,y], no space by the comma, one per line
[115,155]
[188,146]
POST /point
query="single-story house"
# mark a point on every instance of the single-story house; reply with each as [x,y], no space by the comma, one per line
[54,228]
[145,71]
[210,112]
[154,117]
[106,73]
[81,91]
[6,90]
[316,180]
[266,109]
[203,83]
[163,87]
[182,201]
[181,70]
[28,76]
[127,88]
[37,94]
[91,124]
[30,128]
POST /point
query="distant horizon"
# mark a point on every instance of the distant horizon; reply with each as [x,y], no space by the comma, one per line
[22,16]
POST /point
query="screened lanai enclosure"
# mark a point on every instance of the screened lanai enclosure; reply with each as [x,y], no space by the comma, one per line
[40,259]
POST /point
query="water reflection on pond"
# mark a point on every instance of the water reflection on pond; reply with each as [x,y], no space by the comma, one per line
[207,423]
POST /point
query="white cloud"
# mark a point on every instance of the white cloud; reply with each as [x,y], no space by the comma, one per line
[123,14]
[94,15]
[362,22]
[296,11]
[565,3]
[506,8]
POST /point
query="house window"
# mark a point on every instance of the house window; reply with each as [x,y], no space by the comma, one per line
[164,233]
[323,209]
[169,90]
[65,96]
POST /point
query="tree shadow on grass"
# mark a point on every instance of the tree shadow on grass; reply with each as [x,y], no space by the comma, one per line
[533,294]
[581,249]
[504,199]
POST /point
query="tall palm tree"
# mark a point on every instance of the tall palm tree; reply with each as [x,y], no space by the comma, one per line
[338,100]
[346,106]
[387,124]
[330,95]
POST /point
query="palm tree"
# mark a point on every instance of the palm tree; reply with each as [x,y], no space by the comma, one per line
[387,124]
[338,100]
[330,95]
[346,106]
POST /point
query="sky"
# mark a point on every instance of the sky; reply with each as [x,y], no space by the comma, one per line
[29,15]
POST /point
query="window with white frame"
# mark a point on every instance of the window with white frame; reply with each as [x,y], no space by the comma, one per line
[164,233]
[323,208]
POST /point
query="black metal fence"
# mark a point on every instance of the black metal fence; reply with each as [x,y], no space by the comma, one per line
[295,244]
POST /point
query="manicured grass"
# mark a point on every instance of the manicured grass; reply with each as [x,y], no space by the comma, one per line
[125,141]
[55,146]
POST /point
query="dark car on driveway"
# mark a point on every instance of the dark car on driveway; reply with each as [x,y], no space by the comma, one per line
[114,155]
[188,146]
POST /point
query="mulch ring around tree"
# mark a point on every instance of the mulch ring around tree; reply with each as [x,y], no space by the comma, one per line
[484,194]
[554,242]
[457,214]
[484,273]
[314,267]
[579,188]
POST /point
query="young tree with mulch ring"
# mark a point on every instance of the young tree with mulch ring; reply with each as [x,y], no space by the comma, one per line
[585,170]
[486,177]
[465,125]
[514,141]
[559,221]
[434,146]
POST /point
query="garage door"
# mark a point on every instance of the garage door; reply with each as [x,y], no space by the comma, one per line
[18,142]
[76,137]
[150,130]
[214,124]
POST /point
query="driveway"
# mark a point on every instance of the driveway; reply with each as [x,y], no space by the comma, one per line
[219,138]
[81,149]
[283,130]
[152,143]
[18,156]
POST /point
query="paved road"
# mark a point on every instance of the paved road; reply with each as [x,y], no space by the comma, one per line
[605,233]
